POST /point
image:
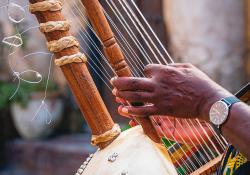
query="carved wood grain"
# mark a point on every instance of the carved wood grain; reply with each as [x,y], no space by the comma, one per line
[80,81]
[115,56]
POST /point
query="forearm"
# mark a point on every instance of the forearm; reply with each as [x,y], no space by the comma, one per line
[183,91]
[236,129]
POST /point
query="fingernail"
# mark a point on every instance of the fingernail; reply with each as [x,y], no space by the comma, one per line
[111,81]
[125,110]
[114,91]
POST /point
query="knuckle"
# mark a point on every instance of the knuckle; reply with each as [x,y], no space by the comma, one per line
[116,81]
[188,65]
[188,71]
[164,84]
[118,94]
[137,96]
[149,85]
[147,69]
[134,83]
[166,71]
[150,67]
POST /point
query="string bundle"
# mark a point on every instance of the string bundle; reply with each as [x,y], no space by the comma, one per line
[179,153]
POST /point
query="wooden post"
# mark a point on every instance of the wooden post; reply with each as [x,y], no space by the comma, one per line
[115,56]
[80,81]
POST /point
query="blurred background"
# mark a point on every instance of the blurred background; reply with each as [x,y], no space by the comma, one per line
[212,35]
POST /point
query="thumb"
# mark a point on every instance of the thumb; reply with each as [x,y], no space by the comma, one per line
[151,69]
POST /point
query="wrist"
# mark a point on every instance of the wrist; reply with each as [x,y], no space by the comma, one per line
[209,101]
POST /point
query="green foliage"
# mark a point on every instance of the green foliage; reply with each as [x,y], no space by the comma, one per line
[24,92]
[4,102]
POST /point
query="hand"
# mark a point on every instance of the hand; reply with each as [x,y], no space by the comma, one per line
[176,90]
[178,130]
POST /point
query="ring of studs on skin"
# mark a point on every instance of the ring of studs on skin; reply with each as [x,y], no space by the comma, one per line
[113,157]
[84,165]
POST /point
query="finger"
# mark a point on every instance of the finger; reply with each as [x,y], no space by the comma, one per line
[140,111]
[135,96]
[121,101]
[181,65]
[151,69]
[132,123]
[159,130]
[130,83]
[156,119]
[166,123]
[171,119]
[160,118]
[196,122]
[122,113]
[167,134]
[166,117]
[200,120]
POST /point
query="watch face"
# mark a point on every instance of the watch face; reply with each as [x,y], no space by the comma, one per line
[218,112]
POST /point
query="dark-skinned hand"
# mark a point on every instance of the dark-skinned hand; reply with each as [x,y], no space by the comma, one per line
[182,91]
[179,130]
[176,90]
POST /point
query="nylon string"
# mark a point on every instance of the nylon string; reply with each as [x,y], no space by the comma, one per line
[207,136]
[163,133]
[191,121]
[134,63]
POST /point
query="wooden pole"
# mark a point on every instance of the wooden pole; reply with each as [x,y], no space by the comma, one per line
[115,56]
[80,81]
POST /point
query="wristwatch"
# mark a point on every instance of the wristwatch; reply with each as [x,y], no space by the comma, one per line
[219,112]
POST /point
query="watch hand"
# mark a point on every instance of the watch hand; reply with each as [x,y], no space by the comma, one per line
[218,112]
